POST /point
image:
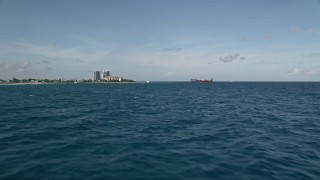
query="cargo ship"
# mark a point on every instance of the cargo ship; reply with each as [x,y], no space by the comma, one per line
[202,80]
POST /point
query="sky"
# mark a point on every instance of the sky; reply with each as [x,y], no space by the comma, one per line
[161,40]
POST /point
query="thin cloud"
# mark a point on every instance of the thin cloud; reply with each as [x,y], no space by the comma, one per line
[46,62]
[171,49]
[300,30]
[171,74]
[296,29]
[176,62]
[232,58]
[295,71]
[298,72]
[54,52]
[311,30]
[314,54]
[22,67]
[312,72]
[18,67]
[243,39]
[47,68]
[79,60]
[267,36]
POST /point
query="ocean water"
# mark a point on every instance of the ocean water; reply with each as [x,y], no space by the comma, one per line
[160,131]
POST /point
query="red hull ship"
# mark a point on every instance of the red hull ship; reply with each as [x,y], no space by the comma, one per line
[202,80]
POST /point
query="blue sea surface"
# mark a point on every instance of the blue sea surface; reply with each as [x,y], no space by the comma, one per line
[160,131]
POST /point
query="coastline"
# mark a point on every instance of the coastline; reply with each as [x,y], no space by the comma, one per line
[143,82]
[43,83]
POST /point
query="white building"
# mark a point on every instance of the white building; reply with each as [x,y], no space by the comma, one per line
[113,78]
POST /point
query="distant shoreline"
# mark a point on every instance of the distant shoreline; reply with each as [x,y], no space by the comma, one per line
[41,83]
[146,82]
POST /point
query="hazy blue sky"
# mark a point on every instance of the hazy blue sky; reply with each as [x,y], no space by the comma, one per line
[161,39]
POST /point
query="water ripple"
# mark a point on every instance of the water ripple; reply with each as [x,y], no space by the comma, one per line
[160,131]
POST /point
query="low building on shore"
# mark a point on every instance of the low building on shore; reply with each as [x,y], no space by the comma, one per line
[112,78]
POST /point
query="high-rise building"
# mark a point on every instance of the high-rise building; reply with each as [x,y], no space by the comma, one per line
[96,76]
[105,74]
